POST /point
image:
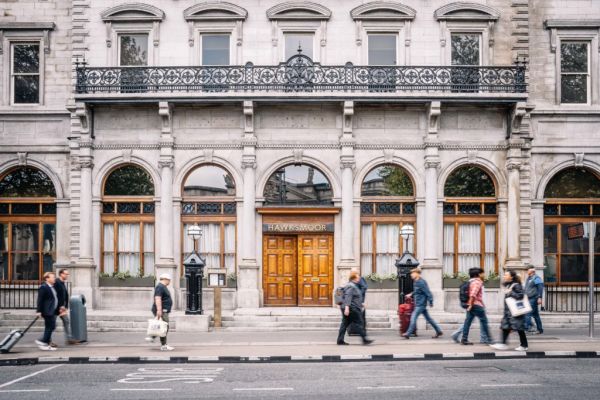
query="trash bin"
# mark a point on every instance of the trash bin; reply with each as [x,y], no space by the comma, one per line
[78,314]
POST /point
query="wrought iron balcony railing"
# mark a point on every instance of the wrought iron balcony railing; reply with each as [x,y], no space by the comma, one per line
[301,74]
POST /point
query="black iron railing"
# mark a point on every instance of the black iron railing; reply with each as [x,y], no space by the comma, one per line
[570,298]
[21,295]
[301,74]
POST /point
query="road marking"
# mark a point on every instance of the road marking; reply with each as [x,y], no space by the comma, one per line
[24,390]
[260,389]
[384,387]
[141,390]
[511,385]
[29,376]
[169,374]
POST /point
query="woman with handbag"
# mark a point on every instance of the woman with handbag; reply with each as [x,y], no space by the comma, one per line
[514,318]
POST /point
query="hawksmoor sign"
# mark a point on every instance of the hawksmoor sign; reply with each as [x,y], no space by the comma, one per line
[297,227]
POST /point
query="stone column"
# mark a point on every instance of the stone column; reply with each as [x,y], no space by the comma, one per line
[165,237]
[537,214]
[347,165]
[513,215]
[63,211]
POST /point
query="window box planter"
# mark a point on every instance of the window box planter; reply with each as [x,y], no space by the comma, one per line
[493,284]
[385,284]
[147,281]
[452,283]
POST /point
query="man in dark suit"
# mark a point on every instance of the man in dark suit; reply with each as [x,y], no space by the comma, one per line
[47,307]
[63,303]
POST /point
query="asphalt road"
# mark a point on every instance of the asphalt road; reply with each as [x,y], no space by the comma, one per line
[546,379]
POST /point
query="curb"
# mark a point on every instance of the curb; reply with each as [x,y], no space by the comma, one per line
[299,359]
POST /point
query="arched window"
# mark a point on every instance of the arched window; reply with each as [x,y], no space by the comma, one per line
[128,222]
[27,224]
[572,196]
[388,203]
[298,185]
[209,201]
[470,221]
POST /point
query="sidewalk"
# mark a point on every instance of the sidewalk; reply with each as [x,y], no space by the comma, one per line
[223,346]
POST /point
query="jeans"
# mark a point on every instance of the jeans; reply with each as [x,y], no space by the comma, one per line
[67,326]
[535,313]
[413,320]
[355,317]
[165,317]
[49,327]
[478,312]
[522,337]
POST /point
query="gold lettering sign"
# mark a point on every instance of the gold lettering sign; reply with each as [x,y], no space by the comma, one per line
[297,227]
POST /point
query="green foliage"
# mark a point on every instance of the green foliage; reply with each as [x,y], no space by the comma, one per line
[375,277]
[121,275]
[232,276]
[394,182]
[104,275]
[26,182]
[129,180]
[469,181]
[573,183]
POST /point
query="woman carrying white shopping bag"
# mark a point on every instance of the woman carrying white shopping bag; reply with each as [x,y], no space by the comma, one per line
[515,308]
[161,307]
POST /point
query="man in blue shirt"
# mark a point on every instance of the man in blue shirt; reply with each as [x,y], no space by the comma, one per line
[422,296]
[534,289]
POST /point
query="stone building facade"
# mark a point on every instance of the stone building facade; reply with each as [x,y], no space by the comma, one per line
[301,137]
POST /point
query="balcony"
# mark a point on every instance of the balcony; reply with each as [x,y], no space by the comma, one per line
[300,77]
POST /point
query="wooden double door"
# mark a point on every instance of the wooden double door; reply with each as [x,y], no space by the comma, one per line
[297,270]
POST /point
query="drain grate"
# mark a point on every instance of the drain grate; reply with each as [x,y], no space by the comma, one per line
[474,369]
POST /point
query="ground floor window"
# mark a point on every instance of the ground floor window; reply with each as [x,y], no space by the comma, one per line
[381,245]
[216,245]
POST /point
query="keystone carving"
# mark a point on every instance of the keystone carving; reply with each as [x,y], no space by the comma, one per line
[434,111]
[579,157]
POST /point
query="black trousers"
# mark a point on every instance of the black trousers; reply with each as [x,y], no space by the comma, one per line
[522,336]
[49,327]
[355,317]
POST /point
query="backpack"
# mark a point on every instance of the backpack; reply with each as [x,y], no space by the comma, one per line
[463,294]
[338,295]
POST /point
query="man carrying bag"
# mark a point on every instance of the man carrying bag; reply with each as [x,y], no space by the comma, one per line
[161,307]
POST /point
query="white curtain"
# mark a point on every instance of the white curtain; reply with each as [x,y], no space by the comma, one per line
[449,249]
[388,236]
[469,247]
[490,248]
[209,245]
[230,247]
[148,249]
[108,250]
[129,248]
[366,249]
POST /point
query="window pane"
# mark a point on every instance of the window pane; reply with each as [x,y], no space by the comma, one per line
[26,182]
[25,237]
[134,49]
[469,181]
[573,268]
[149,238]
[215,49]
[129,248]
[387,180]
[48,260]
[129,180]
[550,271]
[26,266]
[573,89]
[49,239]
[295,40]
[209,180]
[26,58]
[572,183]
[27,89]
[3,252]
[298,185]
[550,238]
[449,249]
[465,49]
[469,247]
[148,264]
[574,57]
[574,245]
[382,49]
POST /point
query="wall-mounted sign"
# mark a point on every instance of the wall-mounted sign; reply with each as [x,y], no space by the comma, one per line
[217,277]
[297,227]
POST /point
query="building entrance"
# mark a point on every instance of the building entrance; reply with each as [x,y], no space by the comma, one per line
[298,270]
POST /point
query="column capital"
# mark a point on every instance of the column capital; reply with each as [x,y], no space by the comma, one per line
[432,162]
[347,162]
[166,163]
[248,161]
[85,162]
[513,165]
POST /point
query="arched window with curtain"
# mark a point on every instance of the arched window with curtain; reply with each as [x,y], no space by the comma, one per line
[572,196]
[209,201]
[27,224]
[470,221]
[388,203]
[298,185]
[128,222]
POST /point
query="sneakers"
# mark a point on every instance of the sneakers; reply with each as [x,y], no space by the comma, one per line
[166,348]
[499,346]
[40,343]
[150,339]
[455,338]
[521,348]
[47,348]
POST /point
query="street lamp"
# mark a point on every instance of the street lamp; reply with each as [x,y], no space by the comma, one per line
[405,263]
[194,272]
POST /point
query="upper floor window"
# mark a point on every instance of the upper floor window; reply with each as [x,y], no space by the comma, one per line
[133,50]
[25,73]
[298,185]
[465,49]
[574,72]
[215,49]
[382,49]
[295,41]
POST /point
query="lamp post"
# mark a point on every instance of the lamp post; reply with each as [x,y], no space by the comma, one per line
[194,272]
[405,263]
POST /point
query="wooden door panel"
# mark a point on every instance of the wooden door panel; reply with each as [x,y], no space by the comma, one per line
[323,265]
[315,268]
[280,260]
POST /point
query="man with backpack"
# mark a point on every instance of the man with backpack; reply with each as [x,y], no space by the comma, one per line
[474,305]
[351,305]
[421,295]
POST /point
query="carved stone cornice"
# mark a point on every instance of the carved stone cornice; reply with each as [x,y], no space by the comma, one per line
[86,162]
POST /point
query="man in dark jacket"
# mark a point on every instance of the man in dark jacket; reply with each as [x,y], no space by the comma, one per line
[534,289]
[63,303]
[422,296]
[363,287]
[47,308]
[352,310]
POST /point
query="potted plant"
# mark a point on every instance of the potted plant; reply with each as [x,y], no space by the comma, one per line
[454,281]
[492,280]
[125,279]
[376,281]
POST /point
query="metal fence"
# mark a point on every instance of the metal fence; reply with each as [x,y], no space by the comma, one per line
[21,295]
[572,299]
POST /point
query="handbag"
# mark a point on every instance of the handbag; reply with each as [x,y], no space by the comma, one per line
[157,327]
[518,307]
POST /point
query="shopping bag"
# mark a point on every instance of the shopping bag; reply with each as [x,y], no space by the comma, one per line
[518,307]
[157,327]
